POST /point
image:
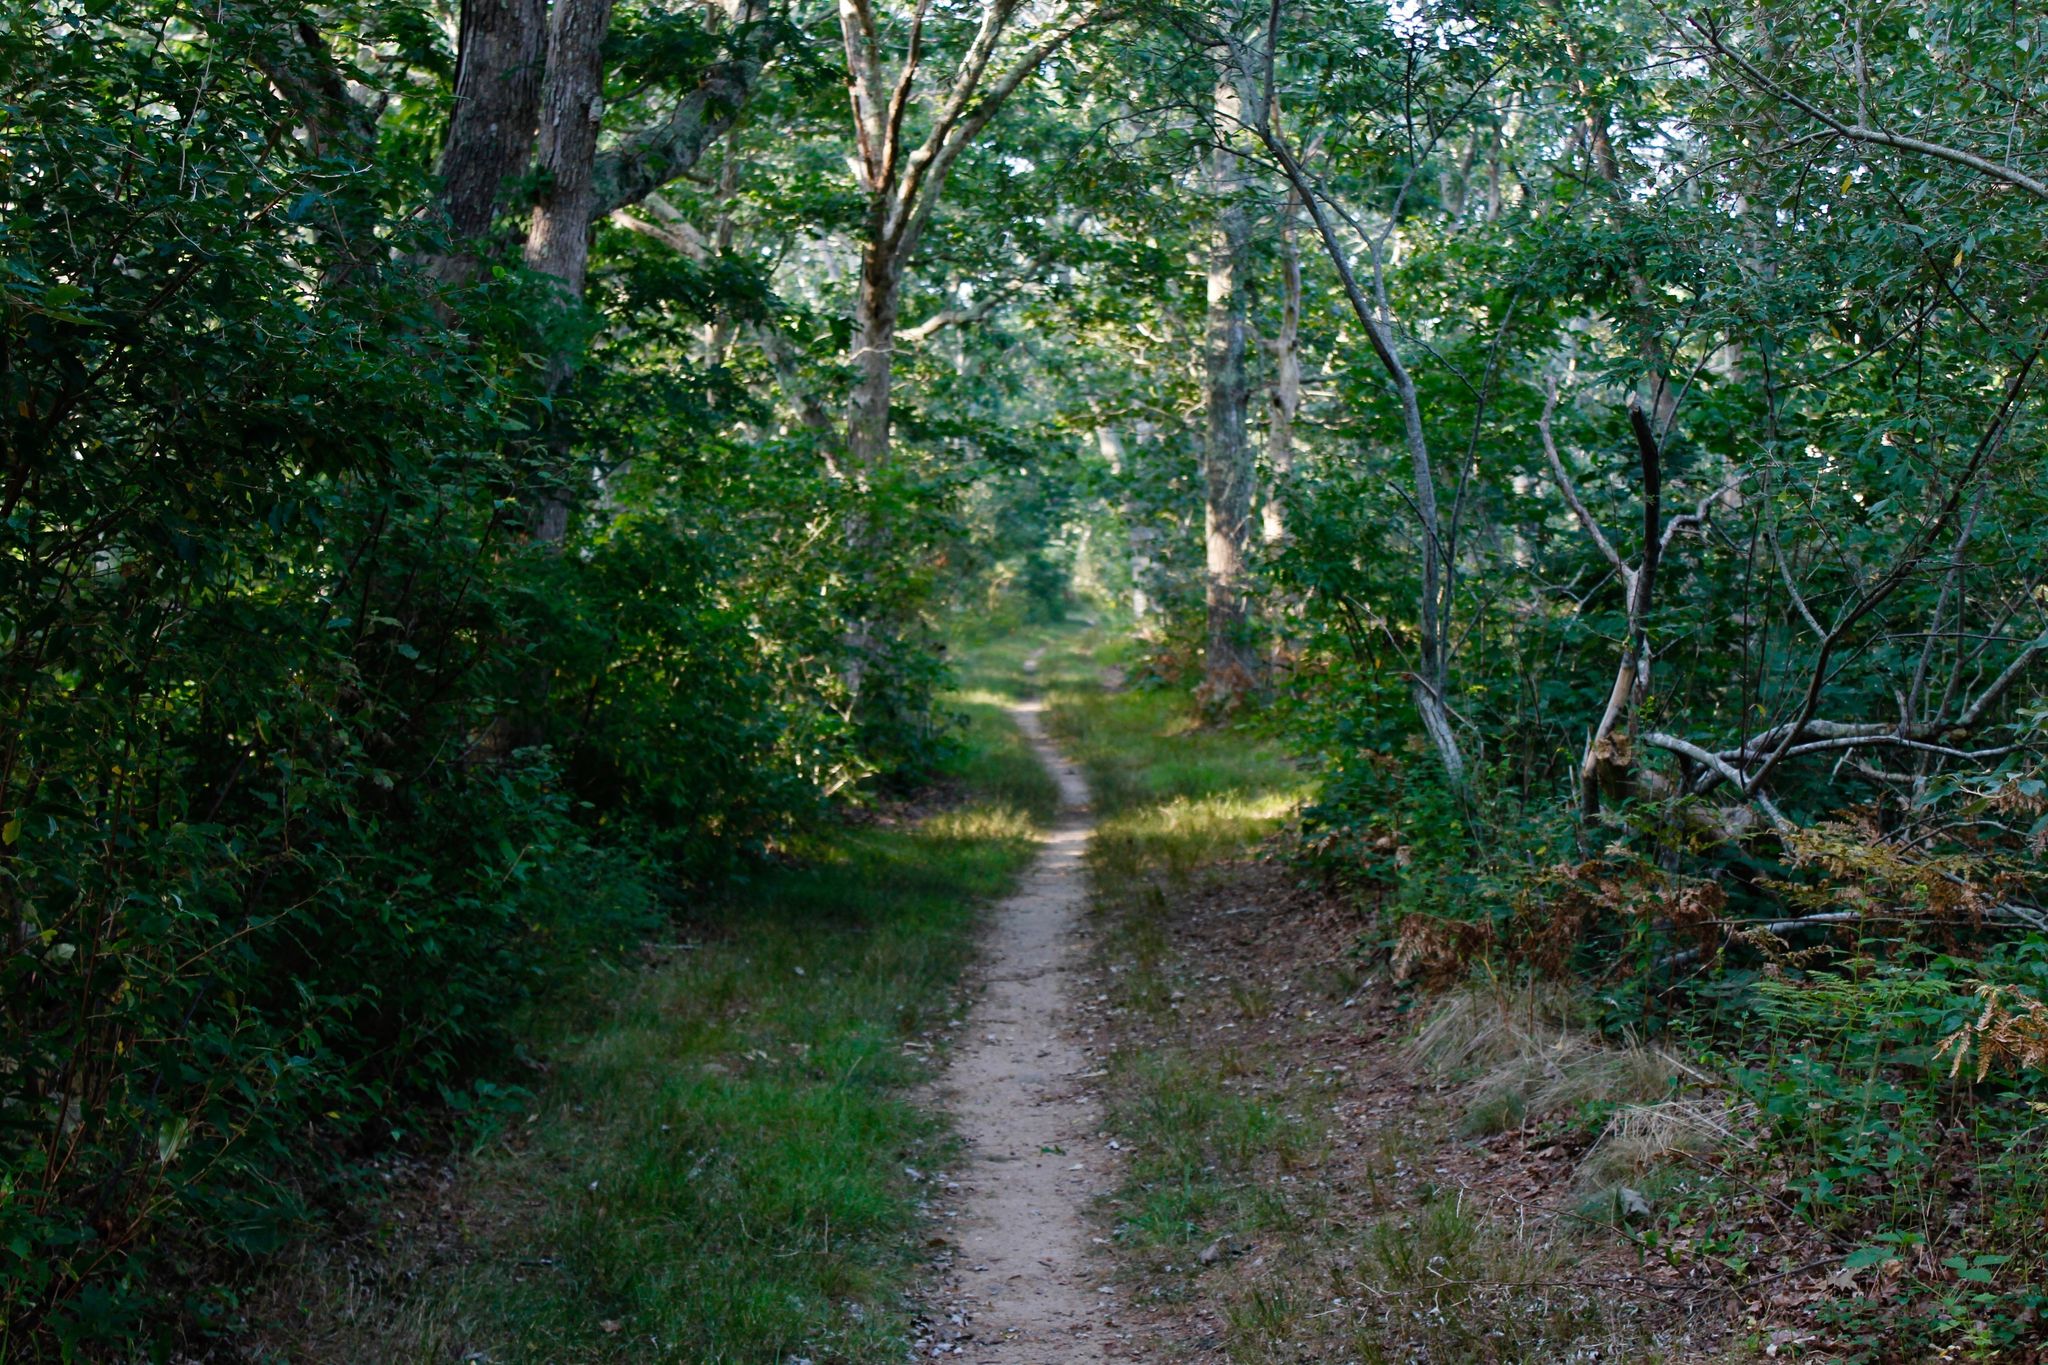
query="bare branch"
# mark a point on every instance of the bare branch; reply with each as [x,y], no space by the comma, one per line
[953,317]
[1923,544]
[1715,763]
[2000,685]
[1791,587]
[652,157]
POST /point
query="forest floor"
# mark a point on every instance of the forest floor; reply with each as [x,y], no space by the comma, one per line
[1153,1105]
[1301,1172]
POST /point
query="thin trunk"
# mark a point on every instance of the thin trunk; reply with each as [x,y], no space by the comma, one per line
[558,243]
[1229,666]
[1284,400]
[718,334]
[1429,685]
[1607,770]
[501,54]
[1137,538]
[903,186]
[1658,396]
[867,434]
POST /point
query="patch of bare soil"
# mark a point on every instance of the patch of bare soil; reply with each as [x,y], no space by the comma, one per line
[1268,989]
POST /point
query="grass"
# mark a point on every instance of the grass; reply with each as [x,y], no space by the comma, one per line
[1215,1135]
[1308,1239]
[719,1165]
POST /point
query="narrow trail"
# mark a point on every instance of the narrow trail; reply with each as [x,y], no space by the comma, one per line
[1021,1289]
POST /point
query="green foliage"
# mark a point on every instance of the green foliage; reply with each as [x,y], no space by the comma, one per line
[318,765]
[724,1162]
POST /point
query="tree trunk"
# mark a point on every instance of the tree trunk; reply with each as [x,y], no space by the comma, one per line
[558,243]
[572,110]
[1138,538]
[1430,683]
[498,66]
[1284,401]
[1229,666]
[874,355]
[1656,393]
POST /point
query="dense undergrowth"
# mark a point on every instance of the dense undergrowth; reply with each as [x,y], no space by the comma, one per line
[713,1157]
[1803,1133]
[1876,1078]
[347,705]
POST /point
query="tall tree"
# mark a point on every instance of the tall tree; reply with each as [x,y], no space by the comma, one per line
[903,176]
[1283,398]
[501,53]
[1230,663]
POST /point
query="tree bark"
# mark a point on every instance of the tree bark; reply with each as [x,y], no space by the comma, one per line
[876,312]
[571,113]
[1229,667]
[501,55]
[652,157]
[903,184]
[1284,400]
[558,242]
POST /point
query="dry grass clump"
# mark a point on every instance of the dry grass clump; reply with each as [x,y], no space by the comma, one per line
[1526,1054]
[1640,1138]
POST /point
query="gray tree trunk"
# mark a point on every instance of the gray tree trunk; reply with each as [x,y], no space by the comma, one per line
[1284,400]
[502,50]
[1229,667]
[877,310]
[572,111]
[1429,685]
[558,242]
[1138,539]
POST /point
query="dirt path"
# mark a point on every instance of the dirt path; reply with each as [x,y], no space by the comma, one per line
[1023,1287]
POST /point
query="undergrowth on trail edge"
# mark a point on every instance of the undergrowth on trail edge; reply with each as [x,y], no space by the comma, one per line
[719,1161]
[1258,1218]
[1823,1151]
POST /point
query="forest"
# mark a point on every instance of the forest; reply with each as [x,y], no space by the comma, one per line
[489,486]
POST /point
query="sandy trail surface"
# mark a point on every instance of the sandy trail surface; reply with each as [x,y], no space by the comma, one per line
[1024,1287]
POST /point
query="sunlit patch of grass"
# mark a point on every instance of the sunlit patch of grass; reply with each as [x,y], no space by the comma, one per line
[993,761]
[1174,796]
[1178,836]
[713,1167]
[1025,662]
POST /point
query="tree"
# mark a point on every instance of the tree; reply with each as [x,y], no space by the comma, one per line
[902,176]
[1230,664]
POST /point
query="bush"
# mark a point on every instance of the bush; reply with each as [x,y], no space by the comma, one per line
[317,765]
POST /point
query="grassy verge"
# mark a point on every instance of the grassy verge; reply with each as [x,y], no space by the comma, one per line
[1295,1186]
[719,1164]
[1212,1145]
